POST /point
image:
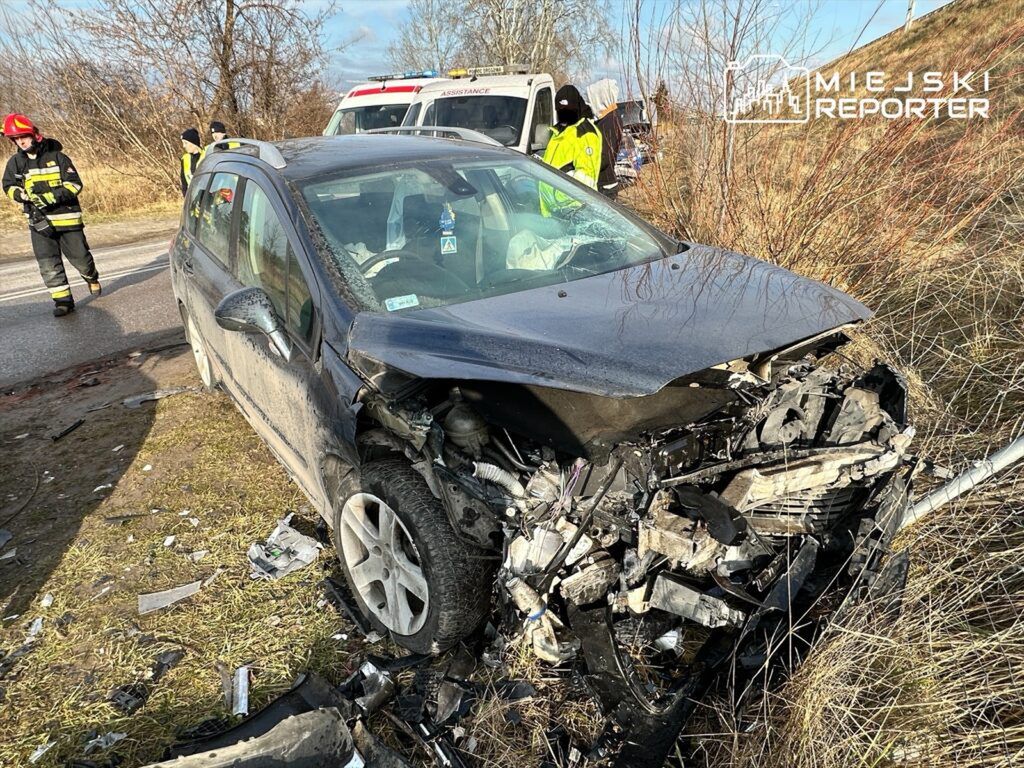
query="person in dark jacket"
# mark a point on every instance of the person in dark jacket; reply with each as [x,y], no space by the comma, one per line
[44,181]
[603,97]
[191,157]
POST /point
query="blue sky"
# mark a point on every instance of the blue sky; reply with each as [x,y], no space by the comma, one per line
[837,25]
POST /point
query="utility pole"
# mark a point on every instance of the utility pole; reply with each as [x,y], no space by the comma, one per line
[910,15]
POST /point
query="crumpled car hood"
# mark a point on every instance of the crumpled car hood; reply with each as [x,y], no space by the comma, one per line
[622,334]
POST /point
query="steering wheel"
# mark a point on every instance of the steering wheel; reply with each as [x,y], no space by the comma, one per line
[394,253]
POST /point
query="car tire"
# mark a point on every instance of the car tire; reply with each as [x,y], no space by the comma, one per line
[199,352]
[421,584]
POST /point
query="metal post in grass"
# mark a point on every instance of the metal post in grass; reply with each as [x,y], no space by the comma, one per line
[965,481]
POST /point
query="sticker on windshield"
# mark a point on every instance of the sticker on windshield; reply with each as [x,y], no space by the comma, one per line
[402,302]
[449,245]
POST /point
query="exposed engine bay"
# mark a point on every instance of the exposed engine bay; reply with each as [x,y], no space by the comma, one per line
[671,532]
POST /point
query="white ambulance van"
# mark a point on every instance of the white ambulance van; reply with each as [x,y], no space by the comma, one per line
[513,107]
[380,103]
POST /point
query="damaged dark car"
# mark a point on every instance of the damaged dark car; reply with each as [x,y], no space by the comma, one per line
[511,398]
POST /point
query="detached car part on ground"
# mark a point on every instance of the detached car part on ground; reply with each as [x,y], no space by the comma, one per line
[630,437]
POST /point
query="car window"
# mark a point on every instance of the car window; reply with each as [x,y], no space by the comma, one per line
[412,114]
[359,119]
[265,259]
[300,302]
[500,117]
[428,116]
[193,210]
[215,216]
[542,116]
[435,232]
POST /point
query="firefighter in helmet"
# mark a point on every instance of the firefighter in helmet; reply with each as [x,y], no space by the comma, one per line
[44,181]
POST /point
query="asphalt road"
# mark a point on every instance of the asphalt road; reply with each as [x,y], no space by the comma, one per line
[136,309]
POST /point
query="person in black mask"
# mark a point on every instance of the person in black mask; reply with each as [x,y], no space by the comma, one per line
[575,145]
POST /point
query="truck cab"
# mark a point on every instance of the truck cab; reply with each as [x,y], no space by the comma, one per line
[513,107]
[380,103]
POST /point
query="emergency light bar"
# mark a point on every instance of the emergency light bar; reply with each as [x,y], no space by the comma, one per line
[408,75]
[497,69]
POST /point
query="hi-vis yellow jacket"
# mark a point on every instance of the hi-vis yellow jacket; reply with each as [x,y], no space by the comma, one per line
[575,151]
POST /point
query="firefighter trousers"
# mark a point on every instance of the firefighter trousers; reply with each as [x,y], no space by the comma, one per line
[75,248]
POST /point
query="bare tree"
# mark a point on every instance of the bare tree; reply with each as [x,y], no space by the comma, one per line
[557,36]
[690,45]
[429,38]
[120,79]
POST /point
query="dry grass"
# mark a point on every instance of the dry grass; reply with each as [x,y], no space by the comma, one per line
[207,461]
[110,192]
[921,220]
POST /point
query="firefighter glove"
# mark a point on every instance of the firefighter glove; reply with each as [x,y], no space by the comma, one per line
[20,195]
[45,200]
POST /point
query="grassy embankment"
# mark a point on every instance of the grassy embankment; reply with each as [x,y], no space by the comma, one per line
[921,220]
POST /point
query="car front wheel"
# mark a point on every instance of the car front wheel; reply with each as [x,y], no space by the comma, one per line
[408,572]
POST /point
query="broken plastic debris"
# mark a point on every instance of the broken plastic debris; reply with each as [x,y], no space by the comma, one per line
[240,691]
[22,436]
[9,554]
[137,400]
[154,601]
[169,541]
[118,448]
[41,750]
[198,555]
[106,741]
[148,468]
[102,592]
[47,600]
[286,550]
[35,628]
[104,487]
[5,536]
[194,522]
[68,430]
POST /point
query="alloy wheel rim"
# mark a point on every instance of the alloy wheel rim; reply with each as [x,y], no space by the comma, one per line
[384,564]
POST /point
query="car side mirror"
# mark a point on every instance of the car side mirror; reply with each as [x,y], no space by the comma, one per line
[250,310]
[541,137]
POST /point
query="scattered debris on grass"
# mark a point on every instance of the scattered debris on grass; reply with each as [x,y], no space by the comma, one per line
[67,430]
[129,698]
[155,601]
[137,400]
[240,691]
[103,742]
[285,551]
[41,750]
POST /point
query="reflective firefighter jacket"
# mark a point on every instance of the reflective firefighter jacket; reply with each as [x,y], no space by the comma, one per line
[51,180]
[576,151]
[189,162]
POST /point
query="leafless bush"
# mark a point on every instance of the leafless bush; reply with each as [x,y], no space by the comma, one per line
[117,81]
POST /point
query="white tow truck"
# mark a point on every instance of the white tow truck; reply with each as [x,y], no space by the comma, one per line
[508,104]
[380,103]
